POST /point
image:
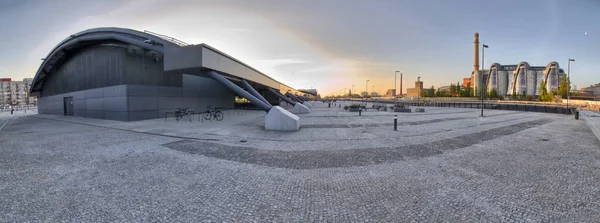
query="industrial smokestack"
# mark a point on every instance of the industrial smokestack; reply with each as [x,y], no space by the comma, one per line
[476,53]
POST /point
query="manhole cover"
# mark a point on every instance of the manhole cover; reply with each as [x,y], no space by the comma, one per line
[243,140]
[545,140]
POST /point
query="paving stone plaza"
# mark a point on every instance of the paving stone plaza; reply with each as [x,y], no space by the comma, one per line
[443,165]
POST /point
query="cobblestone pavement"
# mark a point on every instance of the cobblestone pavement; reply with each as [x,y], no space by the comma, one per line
[512,167]
[343,158]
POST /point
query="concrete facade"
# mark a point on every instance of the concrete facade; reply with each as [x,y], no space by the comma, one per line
[279,119]
[300,109]
[140,102]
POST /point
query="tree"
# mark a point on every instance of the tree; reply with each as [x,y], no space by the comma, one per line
[468,91]
[564,86]
[543,92]
[458,88]
[443,93]
[493,93]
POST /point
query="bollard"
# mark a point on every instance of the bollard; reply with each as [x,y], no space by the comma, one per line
[576,115]
[330,104]
[359,111]
[395,123]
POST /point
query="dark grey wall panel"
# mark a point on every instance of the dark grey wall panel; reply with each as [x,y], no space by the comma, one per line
[118,104]
[94,104]
[142,115]
[191,93]
[140,102]
[143,103]
[169,91]
[95,114]
[115,91]
[207,92]
[77,95]
[79,104]
[144,67]
[161,113]
[185,57]
[119,116]
[92,67]
[171,103]
[108,64]
[142,90]
[94,93]
[97,106]
[79,113]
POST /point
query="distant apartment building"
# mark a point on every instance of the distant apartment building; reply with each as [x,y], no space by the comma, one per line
[374,94]
[15,92]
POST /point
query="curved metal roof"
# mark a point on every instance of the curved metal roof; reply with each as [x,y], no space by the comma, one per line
[147,40]
[58,53]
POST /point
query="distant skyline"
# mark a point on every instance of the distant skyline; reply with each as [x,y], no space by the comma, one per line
[329,45]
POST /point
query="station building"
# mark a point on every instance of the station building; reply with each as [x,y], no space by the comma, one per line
[128,75]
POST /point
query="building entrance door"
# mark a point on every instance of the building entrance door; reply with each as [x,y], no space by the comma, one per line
[68,106]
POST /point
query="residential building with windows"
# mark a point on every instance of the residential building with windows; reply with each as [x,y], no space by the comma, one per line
[14,93]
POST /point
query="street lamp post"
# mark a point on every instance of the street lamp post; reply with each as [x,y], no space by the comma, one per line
[372,89]
[482,72]
[419,96]
[569,81]
[367,88]
[352,91]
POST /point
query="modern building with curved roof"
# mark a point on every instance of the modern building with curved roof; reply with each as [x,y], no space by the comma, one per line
[522,78]
[127,75]
[519,79]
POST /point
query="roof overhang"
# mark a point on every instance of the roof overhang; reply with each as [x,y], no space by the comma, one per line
[60,52]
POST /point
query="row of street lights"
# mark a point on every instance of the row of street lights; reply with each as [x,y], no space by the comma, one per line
[352,89]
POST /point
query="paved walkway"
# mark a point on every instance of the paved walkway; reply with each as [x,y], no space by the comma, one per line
[592,118]
[444,165]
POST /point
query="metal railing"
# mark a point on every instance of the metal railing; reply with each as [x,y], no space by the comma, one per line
[167,38]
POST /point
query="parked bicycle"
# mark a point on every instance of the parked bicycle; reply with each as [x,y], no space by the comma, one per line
[183,113]
[212,113]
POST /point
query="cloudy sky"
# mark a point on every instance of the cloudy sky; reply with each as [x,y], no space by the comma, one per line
[328,44]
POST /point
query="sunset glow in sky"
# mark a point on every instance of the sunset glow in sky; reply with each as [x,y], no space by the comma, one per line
[328,44]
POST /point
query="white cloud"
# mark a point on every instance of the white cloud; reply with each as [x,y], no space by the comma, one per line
[326,68]
[280,62]
[238,30]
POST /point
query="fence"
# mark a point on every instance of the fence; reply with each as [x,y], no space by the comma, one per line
[559,109]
